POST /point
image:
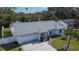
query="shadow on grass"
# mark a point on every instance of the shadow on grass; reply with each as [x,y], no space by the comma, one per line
[10,45]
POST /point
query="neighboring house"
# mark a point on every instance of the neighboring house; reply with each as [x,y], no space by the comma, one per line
[69,22]
[27,32]
[63,24]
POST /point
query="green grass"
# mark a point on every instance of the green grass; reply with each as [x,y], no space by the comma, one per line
[13,46]
[58,43]
[7,32]
[14,49]
[2,49]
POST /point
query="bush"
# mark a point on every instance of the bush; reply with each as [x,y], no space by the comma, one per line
[7,32]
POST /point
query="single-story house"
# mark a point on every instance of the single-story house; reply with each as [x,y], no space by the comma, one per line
[27,32]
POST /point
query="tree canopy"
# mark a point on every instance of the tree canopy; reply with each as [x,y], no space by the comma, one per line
[8,15]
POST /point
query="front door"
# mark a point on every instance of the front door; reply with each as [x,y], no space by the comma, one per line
[44,37]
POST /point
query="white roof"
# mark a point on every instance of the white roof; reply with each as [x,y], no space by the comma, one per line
[38,47]
[21,28]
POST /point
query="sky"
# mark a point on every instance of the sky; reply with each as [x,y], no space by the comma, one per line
[30,9]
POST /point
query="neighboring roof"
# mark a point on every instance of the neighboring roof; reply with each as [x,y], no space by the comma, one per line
[63,24]
[69,21]
[21,28]
[38,47]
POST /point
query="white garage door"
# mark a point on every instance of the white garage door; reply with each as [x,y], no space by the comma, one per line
[26,39]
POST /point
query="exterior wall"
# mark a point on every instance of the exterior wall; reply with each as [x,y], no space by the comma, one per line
[27,39]
[7,40]
[12,30]
[57,32]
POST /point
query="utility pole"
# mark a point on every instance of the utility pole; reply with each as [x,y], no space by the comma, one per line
[26,12]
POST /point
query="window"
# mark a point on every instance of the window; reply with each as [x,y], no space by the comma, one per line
[50,32]
[60,31]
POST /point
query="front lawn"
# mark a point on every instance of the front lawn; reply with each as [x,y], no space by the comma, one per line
[58,43]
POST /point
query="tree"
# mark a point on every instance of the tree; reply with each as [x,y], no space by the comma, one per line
[76,34]
[26,12]
[69,34]
[26,9]
[65,12]
[5,14]
[52,16]
[7,9]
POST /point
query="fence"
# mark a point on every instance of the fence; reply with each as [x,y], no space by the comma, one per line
[7,40]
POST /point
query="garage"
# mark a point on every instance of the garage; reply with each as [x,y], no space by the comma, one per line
[25,39]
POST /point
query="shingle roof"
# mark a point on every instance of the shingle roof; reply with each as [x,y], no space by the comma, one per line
[21,28]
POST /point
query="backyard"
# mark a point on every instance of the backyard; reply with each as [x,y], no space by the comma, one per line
[59,44]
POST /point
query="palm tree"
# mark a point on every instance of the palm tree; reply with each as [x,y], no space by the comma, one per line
[26,12]
[69,34]
[76,34]
[26,9]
